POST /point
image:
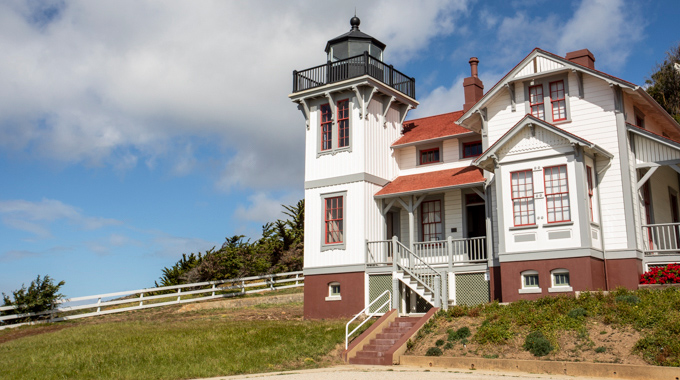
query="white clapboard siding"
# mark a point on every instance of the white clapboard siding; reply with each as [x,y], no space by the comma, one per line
[453,214]
[647,150]
[379,136]
[538,65]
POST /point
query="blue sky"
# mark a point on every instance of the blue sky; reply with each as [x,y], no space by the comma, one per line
[134,131]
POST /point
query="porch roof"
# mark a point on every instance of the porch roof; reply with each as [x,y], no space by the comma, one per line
[438,180]
[432,128]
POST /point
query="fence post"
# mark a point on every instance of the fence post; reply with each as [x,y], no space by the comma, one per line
[449,247]
[297,276]
[243,287]
[213,287]
[99,302]
[295,87]
[437,291]
[179,294]
[141,296]
[271,282]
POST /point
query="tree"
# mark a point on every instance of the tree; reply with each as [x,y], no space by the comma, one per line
[41,295]
[664,85]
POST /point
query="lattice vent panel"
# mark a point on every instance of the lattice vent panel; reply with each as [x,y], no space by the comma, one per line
[472,289]
[377,284]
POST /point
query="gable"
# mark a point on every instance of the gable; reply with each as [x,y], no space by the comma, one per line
[538,65]
[531,139]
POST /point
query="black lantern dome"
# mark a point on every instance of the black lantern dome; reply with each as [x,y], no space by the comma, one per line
[354,43]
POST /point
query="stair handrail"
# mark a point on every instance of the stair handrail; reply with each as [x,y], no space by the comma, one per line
[389,301]
[413,273]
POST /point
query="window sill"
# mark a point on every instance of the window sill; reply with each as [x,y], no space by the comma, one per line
[330,247]
[560,289]
[561,121]
[334,298]
[333,151]
[430,163]
[596,225]
[533,226]
[558,224]
[531,291]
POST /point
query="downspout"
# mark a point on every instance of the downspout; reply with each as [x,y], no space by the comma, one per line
[599,212]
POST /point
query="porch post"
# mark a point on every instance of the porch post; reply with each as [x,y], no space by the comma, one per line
[411,223]
[449,249]
[395,292]
[437,291]
[395,253]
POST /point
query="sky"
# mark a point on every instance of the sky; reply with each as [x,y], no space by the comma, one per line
[134,131]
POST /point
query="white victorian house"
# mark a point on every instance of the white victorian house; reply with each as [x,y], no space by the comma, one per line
[560,178]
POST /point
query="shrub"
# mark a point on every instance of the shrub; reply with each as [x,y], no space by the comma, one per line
[439,342]
[577,312]
[448,346]
[628,298]
[433,351]
[537,344]
[670,274]
[601,349]
[496,331]
[41,295]
[459,334]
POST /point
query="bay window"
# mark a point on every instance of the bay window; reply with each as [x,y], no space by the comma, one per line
[557,194]
[552,92]
[522,189]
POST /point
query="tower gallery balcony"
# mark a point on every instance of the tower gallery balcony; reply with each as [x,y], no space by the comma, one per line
[353,67]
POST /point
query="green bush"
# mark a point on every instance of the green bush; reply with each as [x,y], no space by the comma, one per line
[439,342]
[601,349]
[628,298]
[433,351]
[577,312]
[41,295]
[459,334]
[448,346]
[537,344]
[496,331]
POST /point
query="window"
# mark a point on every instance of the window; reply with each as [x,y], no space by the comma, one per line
[429,156]
[334,220]
[530,282]
[431,212]
[552,92]
[334,292]
[589,179]
[536,101]
[326,127]
[472,149]
[557,194]
[343,123]
[559,105]
[522,184]
[561,282]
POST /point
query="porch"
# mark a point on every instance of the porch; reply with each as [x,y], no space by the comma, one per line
[439,253]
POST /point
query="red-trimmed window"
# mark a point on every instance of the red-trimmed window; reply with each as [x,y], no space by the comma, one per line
[431,212]
[472,149]
[428,156]
[333,219]
[522,184]
[589,179]
[557,194]
[326,127]
[536,101]
[559,105]
[343,123]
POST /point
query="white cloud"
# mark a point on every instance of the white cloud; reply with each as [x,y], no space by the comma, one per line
[34,217]
[174,246]
[121,83]
[262,208]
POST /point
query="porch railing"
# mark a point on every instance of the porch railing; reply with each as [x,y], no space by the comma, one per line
[659,239]
[419,270]
[440,252]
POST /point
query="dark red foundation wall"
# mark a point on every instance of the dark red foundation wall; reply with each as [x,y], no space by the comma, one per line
[495,285]
[624,272]
[585,273]
[351,292]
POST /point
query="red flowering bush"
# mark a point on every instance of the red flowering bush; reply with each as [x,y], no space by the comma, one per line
[670,274]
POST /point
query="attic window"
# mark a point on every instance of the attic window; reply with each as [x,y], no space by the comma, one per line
[472,149]
[429,156]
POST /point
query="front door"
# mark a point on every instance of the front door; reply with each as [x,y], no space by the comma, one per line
[476,216]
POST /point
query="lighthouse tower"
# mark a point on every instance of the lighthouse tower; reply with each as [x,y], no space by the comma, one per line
[354,105]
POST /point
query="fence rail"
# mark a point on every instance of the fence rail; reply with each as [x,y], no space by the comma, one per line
[662,238]
[353,67]
[142,297]
[450,251]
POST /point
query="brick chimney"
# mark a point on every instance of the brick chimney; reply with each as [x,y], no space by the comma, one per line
[473,86]
[583,57]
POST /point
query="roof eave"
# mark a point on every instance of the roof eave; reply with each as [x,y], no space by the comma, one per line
[436,139]
[430,190]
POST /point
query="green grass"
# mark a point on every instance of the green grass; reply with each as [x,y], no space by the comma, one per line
[170,348]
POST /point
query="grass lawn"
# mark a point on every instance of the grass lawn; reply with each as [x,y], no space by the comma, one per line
[154,344]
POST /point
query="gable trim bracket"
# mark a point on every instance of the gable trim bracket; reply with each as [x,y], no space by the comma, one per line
[304,107]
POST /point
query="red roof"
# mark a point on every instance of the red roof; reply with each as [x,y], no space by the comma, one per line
[433,180]
[431,127]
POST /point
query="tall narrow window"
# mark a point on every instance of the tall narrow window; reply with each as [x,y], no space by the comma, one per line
[589,179]
[343,123]
[326,127]
[559,105]
[334,220]
[557,194]
[522,184]
[429,156]
[472,149]
[431,220]
[536,101]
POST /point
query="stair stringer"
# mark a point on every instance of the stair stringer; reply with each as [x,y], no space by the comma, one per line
[416,286]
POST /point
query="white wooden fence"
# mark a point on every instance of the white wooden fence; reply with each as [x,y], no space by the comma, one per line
[110,303]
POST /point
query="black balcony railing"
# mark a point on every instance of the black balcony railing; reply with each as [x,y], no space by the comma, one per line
[354,67]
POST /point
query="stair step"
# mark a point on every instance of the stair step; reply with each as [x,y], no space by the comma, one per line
[396,330]
[394,336]
[377,347]
[383,342]
[368,361]
[370,354]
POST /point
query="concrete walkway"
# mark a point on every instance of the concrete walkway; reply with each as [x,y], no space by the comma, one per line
[350,372]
